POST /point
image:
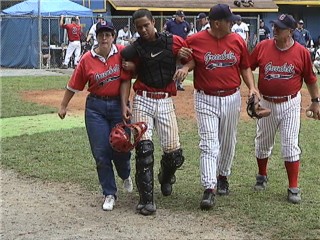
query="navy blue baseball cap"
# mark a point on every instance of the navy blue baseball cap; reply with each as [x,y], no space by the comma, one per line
[104,25]
[201,16]
[285,21]
[222,11]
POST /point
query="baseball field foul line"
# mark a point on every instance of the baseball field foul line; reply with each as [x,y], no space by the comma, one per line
[17,126]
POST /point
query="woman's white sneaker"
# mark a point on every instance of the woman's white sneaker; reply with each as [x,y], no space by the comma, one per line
[127,184]
[109,203]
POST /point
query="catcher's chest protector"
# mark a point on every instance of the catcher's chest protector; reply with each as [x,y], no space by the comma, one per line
[158,64]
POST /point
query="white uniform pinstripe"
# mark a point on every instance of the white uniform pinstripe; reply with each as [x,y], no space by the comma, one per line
[286,117]
[217,118]
[159,114]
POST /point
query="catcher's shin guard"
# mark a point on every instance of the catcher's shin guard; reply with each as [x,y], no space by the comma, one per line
[170,162]
[144,177]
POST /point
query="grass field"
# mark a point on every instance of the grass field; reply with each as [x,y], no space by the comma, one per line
[62,154]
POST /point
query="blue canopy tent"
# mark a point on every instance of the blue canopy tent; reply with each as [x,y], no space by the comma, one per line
[20,39]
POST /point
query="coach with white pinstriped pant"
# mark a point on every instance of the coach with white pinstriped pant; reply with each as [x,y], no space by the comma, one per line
[220,57]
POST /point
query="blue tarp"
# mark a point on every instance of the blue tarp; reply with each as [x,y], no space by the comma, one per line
[19,36]
[48,8]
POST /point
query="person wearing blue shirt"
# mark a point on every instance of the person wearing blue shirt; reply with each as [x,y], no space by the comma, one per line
[178,26]
[302,35]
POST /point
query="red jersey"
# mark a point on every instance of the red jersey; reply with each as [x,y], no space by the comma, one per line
[281,73]
[103,77]
[218,61]
[171,88]
[73,30]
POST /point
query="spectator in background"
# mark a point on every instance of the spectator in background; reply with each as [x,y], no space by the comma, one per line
[45,50]
[242,29]
[92,31]
[193,30]
[178,26]
[264,31]
[316,62]
[181,28]
[74,46]
[124,36]
[302,35]
[203,20]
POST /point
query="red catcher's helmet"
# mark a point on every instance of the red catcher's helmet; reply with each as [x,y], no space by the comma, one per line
[120,140]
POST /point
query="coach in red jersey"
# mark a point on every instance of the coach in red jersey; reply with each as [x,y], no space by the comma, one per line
[108,85]
[220,58]
[283,66]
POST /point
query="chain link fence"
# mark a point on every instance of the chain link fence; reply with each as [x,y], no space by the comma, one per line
[50,40]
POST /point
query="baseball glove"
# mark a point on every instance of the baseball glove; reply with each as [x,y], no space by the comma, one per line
[254,109]
[121,141]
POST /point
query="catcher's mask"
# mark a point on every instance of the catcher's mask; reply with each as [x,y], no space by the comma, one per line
[120,140]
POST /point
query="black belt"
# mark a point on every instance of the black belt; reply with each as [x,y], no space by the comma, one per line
[104,97]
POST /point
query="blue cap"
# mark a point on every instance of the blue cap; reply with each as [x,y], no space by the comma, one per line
[285,21]
[104,25]
[201,16]
[222,11]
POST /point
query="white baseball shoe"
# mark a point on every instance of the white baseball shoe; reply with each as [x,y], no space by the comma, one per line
[109,203]
[127,184]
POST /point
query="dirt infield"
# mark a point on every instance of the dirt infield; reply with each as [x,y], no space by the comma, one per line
[183,101]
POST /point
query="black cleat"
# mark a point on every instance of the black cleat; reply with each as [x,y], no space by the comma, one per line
[222,186]
[208,200]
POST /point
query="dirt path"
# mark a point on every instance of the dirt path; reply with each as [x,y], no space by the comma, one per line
[33,209]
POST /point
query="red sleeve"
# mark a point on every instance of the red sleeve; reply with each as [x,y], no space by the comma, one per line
[178,43]
[245,57]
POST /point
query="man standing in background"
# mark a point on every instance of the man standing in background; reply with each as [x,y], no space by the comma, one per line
[181,28]
[302,35]
[242,29]
[92,31]
[264,31]
[74,46]
[202,18]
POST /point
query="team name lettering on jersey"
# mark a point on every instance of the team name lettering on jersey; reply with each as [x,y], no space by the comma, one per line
[105,76]
[225,59]
[286,71]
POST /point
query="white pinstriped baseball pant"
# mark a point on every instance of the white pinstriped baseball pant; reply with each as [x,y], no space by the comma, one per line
[159,114]
[217,118]
[284,117]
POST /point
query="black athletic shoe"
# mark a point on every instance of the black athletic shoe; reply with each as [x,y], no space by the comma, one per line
[222,186]
[208,200]
[179,88]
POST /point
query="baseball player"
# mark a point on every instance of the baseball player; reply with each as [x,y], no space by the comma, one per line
[242,29]
[283,65]
[203,20]
[154,55]
[74,46]
[107,83]
[220,58]
[92,31]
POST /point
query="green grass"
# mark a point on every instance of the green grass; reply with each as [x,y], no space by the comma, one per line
[64,156]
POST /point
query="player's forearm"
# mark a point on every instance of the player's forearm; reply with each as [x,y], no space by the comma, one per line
[61,21]
[66,98]
[125,88]
[313,90]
